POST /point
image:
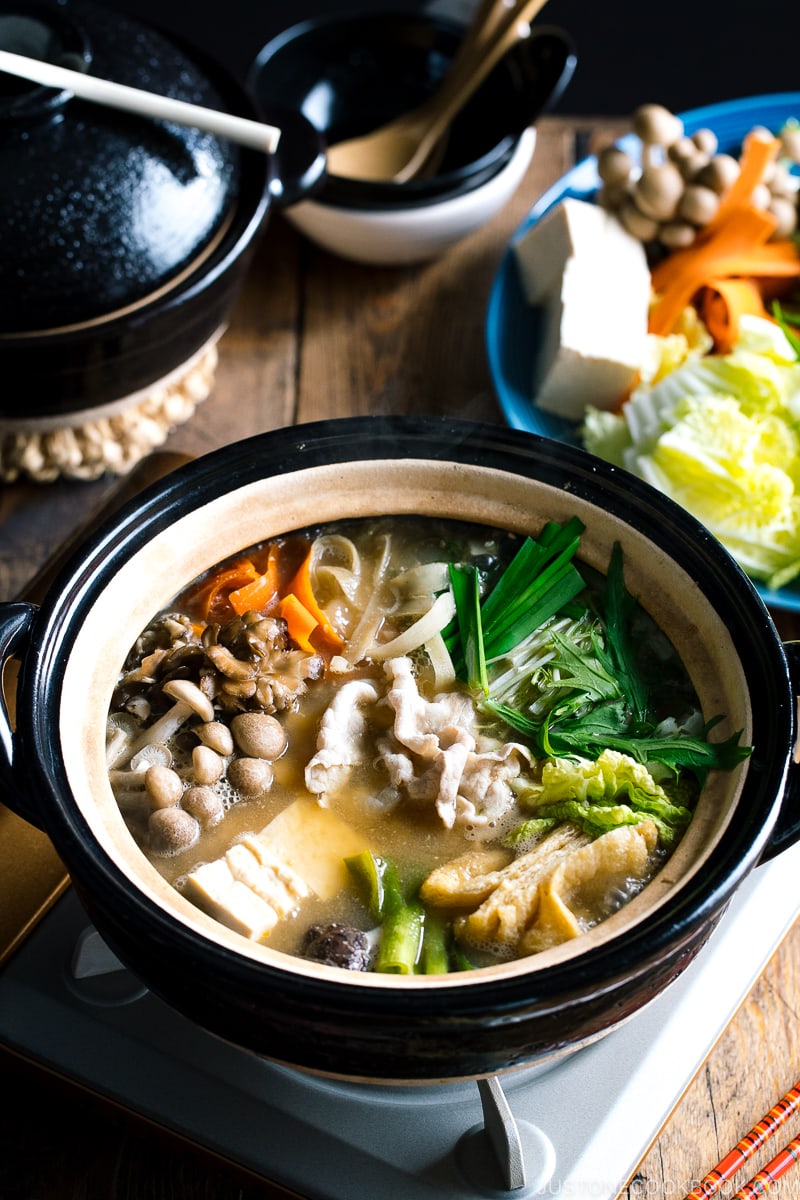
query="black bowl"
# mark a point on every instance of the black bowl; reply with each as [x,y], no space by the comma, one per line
[350,74]
[53,772]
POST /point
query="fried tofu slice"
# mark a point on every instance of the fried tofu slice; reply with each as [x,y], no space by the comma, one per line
[465,881]
[511,907]
[579,887]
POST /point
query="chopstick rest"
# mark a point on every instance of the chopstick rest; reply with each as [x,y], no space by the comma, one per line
[744,1149]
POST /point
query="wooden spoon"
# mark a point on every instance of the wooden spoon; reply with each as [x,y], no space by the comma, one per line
[485,22]
[255,134]
[399,150]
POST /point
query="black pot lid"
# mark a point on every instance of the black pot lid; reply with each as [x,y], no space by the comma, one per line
[102,209]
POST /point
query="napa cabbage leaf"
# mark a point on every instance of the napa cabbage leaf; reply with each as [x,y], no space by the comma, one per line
[720,435]
[599,795]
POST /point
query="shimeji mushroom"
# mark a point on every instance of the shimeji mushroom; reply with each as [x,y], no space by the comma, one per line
[250,776]
[657,128]
[676,191]
[207,766]
[204,804]
[132,777]
[138,706]
[658,191]
[698,204]
[189,701]
[259,735]
[172,830]
[718,174]
[217,736]
[163,785]
[121,731]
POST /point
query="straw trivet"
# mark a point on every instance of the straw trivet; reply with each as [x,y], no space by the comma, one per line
[109,439]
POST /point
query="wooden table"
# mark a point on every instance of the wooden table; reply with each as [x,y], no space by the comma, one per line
[314,337]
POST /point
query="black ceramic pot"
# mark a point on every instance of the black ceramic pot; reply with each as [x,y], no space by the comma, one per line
[128,237]
[361,1025]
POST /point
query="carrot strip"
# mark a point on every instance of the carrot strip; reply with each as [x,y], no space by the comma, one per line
[737,249]
[759,149]
[735,245]
[257,595]
[211,600]
[722,303]
[300,587]
[741,243]
[253,597]
[299,621]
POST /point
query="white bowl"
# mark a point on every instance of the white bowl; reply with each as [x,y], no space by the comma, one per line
[408,235]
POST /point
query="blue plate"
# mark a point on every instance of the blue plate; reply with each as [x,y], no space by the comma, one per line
[512,327]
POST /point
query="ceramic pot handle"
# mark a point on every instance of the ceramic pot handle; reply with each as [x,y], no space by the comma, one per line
[787,827]
[17,617]
[16,624]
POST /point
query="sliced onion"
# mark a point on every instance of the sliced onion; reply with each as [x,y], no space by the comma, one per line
[438,616]
[444,675]
[425,579]
[343,569]
[372,615]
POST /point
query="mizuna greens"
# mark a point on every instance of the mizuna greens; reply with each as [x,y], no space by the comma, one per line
[564,667]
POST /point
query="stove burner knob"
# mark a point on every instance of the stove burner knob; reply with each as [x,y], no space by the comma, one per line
[504,1156]
[96,975]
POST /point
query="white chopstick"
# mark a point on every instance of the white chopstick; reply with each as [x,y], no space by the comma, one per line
[241,130]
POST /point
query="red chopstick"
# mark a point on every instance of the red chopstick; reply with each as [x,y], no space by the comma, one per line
[771,1173]
[747,1147]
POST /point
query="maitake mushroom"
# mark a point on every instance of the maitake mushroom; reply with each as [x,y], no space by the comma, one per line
[677,188]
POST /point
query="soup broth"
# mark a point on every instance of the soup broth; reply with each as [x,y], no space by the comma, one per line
[408,745]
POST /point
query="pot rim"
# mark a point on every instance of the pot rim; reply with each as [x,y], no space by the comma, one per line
[279,452]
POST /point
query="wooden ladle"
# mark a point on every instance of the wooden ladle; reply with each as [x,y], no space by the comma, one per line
[398,150]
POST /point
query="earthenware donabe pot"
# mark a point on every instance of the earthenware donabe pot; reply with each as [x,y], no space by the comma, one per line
[128,238]
[361,1025]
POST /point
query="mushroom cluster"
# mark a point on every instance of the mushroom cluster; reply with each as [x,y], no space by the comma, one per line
[675,189]
[193,726]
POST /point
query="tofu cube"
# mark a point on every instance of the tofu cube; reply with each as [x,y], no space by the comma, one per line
[591,280]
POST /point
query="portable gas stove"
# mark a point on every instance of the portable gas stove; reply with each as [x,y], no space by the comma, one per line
[577,1128]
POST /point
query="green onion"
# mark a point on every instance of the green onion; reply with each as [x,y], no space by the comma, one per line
[465,583]
[368,871]
[619,607]
[511,716]
[435,954]
[539,580]
[401,940]
[460,960]
[580,689]
[403,923]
